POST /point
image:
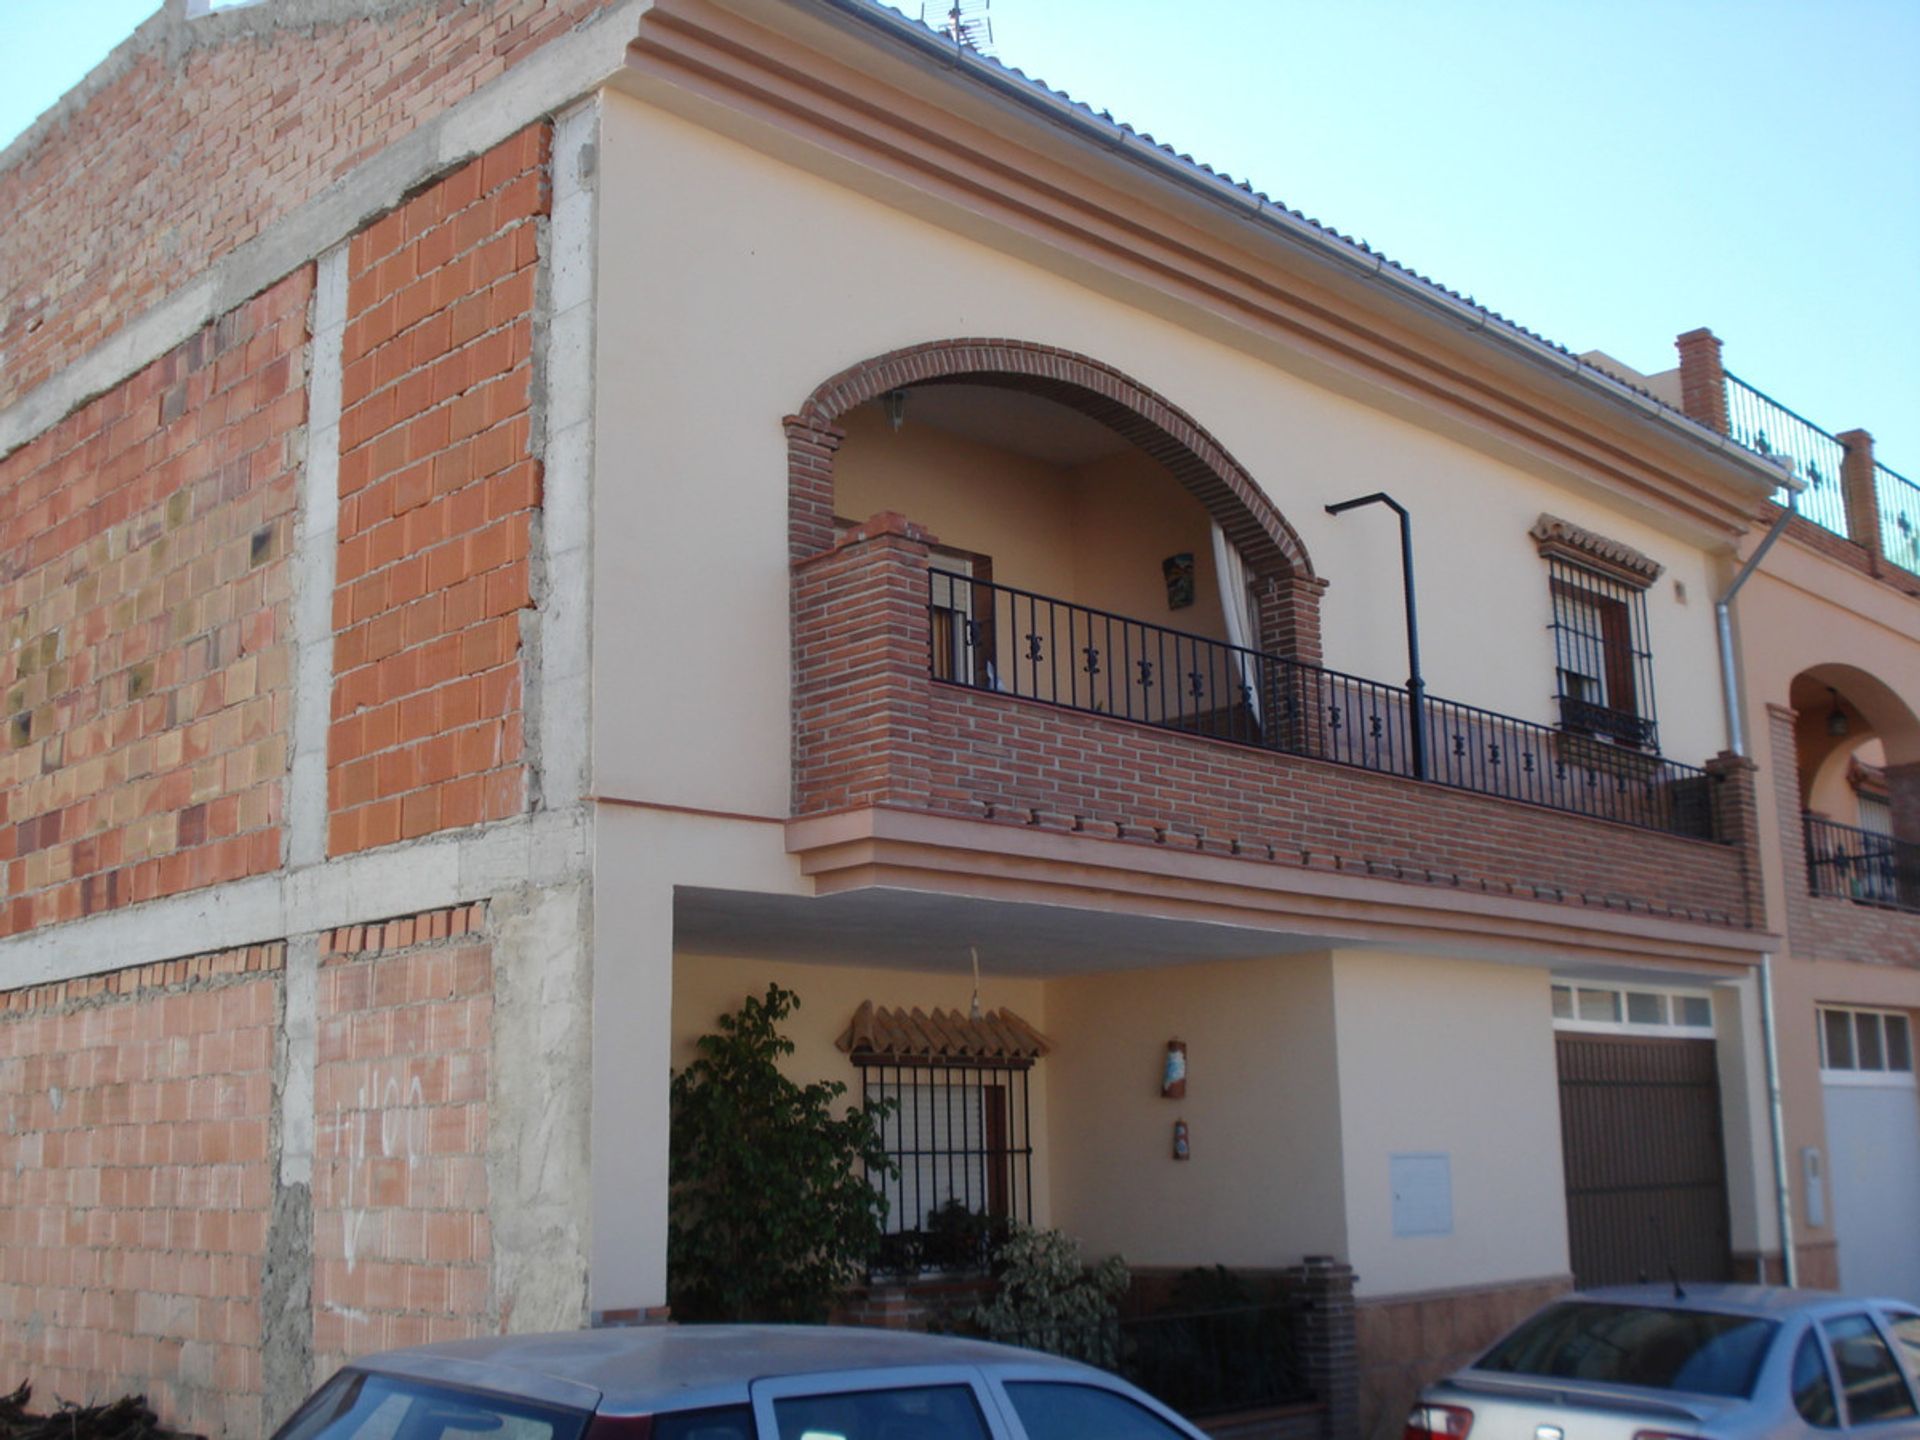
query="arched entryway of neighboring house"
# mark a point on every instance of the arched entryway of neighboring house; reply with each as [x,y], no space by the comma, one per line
[1054,475]
[1857,747]
[1856,751]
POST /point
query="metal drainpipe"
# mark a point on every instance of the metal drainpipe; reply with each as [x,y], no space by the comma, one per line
[1782,1191]
[1737,742]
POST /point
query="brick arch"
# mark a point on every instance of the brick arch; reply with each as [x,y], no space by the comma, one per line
[1148,421]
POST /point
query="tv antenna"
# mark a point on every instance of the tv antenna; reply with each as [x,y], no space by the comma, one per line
[965,22]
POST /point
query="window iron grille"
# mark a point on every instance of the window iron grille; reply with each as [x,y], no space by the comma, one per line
[1603,665]
[961,1138]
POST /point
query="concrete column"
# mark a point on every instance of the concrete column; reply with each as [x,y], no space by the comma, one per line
[632,1048]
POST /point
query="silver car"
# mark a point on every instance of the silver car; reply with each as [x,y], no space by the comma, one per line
[727,1382]
[1699,1362]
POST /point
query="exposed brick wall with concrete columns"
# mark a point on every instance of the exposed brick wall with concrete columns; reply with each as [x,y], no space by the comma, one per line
[1277,562]
[135,1170]
[197,135]
[402,1242]
[439,496]
[144,581]
[873,728]
[141,1181]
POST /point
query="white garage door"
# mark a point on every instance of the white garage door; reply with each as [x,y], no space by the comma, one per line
[1873,1148]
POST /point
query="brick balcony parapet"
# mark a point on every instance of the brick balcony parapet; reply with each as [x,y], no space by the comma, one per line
[872,728]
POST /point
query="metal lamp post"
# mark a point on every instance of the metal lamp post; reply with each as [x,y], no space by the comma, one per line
[1416,687]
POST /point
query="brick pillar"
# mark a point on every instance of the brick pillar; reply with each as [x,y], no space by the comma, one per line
[1903,797]
[1703,382]
[1329,1353]
[1863,501]
[860,677]
[1290,616]
[1290,628]
[1736,822]
[811,446]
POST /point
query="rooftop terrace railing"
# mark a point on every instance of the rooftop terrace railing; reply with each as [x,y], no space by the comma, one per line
[1899,500]
[1761,423]
[1013,642]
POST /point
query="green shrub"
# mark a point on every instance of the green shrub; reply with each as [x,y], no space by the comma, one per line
[770,1213]
[1046,1299]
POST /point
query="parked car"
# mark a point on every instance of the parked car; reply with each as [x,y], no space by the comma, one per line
[728,1382]
[1696,1362]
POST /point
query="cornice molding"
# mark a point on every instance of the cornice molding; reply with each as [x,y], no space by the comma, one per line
[694,54]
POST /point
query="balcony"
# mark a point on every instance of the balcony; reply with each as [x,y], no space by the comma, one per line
[920,692]
[1865,866]
[1035,647]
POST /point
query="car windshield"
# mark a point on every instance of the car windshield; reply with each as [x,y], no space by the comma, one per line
[1694,1351]
[359,1406]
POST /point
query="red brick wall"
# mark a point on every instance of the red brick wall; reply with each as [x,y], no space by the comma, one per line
[402,1246]
[216,129]
[438,495]
[144,579]
[871,728]
[134,1186]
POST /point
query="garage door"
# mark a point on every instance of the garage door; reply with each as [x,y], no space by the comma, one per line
[1873,1150]
[1646,1169]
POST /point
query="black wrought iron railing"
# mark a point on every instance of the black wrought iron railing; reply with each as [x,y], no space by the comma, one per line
[1899,501]
[1201,1362]
[1014,642]
[1761,423]
[1862,865]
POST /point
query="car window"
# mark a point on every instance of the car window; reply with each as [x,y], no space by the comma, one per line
[931,1412]
[1868,1376]
[1812,1389]
[359,1406]
[1906,1329]
[725,1422]
[1050,1411]
[1648,1345]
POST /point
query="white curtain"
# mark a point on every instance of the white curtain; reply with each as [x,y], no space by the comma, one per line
[1238,607]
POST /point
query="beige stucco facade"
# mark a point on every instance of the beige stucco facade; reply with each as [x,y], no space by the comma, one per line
[732,278]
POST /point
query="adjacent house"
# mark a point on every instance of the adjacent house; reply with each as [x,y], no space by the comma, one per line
[523,524]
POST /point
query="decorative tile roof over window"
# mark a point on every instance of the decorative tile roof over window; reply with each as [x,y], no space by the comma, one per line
[1572,542]
[878,1035]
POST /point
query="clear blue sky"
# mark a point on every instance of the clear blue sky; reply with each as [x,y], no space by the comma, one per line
[1606,172]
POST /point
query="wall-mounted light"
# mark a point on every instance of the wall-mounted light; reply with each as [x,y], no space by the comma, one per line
[1837,723]
[894,405]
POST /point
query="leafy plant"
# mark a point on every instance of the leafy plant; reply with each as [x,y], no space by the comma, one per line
[1048,1300]
[770,1214]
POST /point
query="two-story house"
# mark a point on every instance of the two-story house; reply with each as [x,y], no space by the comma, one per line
[524,525]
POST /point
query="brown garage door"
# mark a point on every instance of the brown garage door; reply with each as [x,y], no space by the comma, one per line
[1646,1170]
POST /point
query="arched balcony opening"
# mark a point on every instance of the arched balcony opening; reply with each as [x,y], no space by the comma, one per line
[1857,748]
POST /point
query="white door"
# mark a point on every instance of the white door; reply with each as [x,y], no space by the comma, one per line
[1873,1150]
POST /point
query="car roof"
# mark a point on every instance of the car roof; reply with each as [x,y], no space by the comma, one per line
[652,1368]
[1772,1302]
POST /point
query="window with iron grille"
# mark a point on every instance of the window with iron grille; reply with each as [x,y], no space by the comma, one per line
[956,1120]
[962,1141]
[1604,667]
